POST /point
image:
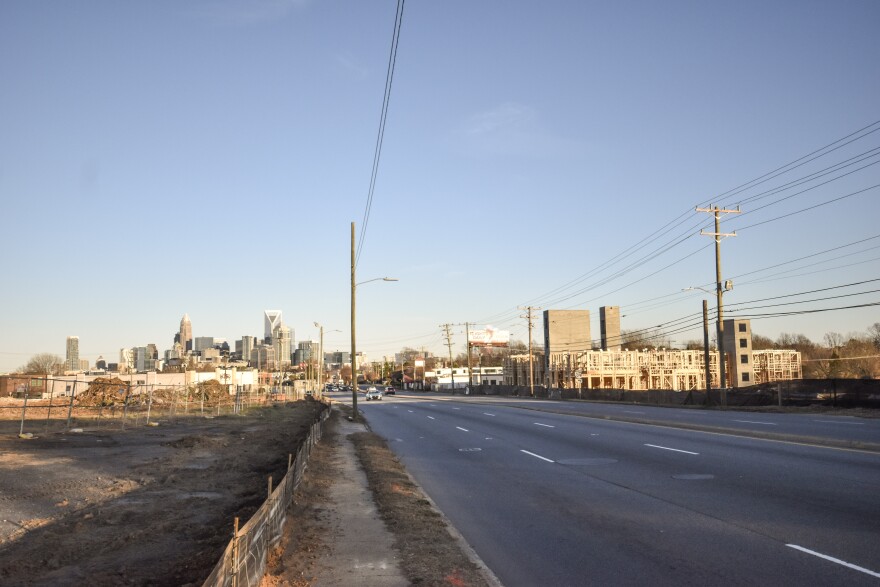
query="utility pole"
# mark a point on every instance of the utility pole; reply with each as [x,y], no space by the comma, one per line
[467,337]
[528,316]
[354,382]
[446,327]
[706,351]
[720,288]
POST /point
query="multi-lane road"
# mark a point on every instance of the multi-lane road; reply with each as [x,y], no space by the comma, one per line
[568,493]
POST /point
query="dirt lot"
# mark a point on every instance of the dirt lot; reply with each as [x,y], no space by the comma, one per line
[141,506]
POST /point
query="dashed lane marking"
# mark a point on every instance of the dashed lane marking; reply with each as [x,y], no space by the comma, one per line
[672,449]
[537,456]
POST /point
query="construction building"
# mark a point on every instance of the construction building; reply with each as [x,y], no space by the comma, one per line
[776,365]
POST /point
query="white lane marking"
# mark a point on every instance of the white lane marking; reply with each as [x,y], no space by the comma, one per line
[431,418]
[544,425]
[632,412]
[834,560]
[594,434]
[753,422]
[462,429]
[488,414]
[672,449]
[488,438]
[410,411]
[835,422]
[537,456]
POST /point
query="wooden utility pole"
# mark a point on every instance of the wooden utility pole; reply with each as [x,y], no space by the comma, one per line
[706,351]
[719,286]
[446,328]
[528,316]
[354,377]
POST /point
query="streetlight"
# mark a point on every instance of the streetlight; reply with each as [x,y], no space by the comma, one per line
[354,387]
[321,356]
[728,285]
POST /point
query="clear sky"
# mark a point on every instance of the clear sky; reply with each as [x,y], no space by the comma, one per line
[208,157]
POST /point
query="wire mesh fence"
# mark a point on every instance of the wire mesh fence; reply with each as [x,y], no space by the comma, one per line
[50,405]
[244,560]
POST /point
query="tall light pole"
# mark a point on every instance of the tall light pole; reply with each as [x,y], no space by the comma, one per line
[321,356]
[354,386]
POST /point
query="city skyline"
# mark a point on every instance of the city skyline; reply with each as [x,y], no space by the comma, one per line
[530,157]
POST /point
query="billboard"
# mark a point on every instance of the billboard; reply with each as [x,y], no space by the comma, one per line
[489,337]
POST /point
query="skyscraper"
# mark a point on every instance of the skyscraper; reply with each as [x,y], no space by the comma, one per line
[272,320]
[186,333]
[72,362]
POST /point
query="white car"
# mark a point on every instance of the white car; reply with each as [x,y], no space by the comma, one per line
[373,393]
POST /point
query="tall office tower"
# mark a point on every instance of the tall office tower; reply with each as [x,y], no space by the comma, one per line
[272,320]
[186,333]
[609,325]
[247,344]
[72,362]
[281,342]
[126,360]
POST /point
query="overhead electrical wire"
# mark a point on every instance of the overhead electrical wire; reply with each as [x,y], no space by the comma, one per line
[377,153]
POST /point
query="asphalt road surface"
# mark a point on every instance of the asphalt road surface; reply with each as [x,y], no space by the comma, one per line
[553,498]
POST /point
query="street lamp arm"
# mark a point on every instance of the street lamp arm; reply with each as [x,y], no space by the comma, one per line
[378,279]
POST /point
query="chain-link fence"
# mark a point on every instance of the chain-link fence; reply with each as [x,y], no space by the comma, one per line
[51,405]
[243,563]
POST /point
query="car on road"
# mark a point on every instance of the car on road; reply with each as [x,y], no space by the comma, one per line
[373,393]
[389,390]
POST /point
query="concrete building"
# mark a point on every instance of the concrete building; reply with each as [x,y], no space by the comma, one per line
[71,362]
[609,326]
[738,352]
[566,331]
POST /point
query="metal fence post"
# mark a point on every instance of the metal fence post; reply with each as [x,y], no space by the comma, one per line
[24,409]
[149,405]
[235,554]
[49,411]
[125,405]
[70,407]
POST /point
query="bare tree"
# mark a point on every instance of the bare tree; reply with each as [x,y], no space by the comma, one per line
[44,364]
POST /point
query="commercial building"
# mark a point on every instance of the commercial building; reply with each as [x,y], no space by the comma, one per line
[71,362]
[185,336]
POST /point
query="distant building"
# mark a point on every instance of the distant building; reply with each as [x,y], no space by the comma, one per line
[281,342]
[271,321]
[186,334]
[201,343]
[566,331]
[72,359]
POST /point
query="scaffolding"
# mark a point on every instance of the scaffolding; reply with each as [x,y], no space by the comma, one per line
[777,365]
[681,370]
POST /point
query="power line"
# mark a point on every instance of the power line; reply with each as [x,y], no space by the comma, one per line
[377,153]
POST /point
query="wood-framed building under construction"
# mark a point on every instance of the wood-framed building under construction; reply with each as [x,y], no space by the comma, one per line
[680,370]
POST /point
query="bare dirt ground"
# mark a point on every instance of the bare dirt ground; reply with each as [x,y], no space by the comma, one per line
[430,555]
[141,506]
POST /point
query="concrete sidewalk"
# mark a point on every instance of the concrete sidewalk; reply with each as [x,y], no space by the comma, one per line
[361,551]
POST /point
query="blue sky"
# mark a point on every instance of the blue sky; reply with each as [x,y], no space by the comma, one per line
[162,158]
